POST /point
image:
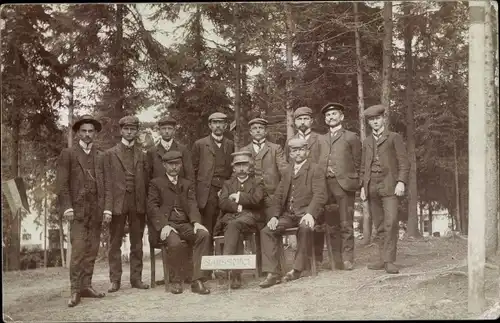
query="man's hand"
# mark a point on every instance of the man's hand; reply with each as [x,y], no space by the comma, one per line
[400,189]
[69,216]
[273,223]
[218,193]
[198,226]
[106,217]
[165,232]
[308,219]
[235,197]
[362,194]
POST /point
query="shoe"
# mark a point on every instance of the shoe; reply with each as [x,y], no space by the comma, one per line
[339,266]
[271,279]
[139,285]
[379,265]
[91,293]
[198,287]
[390,268]
[235,281]
[291,275]
[348,265]
[319,265]
[74,300]
[176,288]
[115,286]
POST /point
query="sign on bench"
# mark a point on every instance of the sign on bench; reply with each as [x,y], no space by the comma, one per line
[228,262]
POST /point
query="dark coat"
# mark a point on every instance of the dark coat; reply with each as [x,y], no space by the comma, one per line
[204,165]
[393,161]
[313,144]
[313,195]
[71,180]
[346,151]
[115,175]
[161,196]
[155,163]
[252,194]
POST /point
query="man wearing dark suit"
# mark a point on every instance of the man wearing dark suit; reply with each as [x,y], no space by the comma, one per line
[384,172]
[269,161]
[126,172]
[241,202]
[298,201]
[212,166]
[341,158]
[303,122]
[83,199]
[167,143]
[174,213]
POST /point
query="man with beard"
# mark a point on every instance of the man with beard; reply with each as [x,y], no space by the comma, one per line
[341,154]
[126,172]
[212,166]
[384,172]
[167,143]
[174,213]
[298,201]
[84,200]
[241,201]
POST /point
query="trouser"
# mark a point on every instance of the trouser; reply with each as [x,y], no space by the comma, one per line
[270,241]
[341,223]
[384,212]
[85,240]
[211,210]
[200,242]
[136,224]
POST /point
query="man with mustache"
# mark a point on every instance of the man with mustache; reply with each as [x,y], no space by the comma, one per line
[84,200]
[341,157]
[384,172]
[174,213]
[298,201]
[241,201]
[126,172]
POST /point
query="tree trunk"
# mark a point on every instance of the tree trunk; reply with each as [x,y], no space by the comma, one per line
[245,102]
[421,217]
[410,125]
[237,90]
[430,218]
[45,220]
[265,67]
[289,67]
[457,191]
[387,60]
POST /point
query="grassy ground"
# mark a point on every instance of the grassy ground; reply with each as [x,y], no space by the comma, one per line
[41,295]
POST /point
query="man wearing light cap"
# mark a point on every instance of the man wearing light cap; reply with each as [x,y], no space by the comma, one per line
[269,161]
[241,202]
[127,173]
[298,201]
[167,131]
[212,166]
[341,158]
[384,172]
[174,213]
[84,201]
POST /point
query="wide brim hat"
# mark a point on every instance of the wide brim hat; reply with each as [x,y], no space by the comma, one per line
[87,119]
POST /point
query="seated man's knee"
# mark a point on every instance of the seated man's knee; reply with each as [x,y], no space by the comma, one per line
[305,229]
[202,235]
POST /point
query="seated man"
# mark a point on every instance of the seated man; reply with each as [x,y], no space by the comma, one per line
[174,212]
[298,202]
[241,202]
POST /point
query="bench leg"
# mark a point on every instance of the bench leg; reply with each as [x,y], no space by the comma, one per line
[165,266]
[153,266]
[282,257]
[258,253]
[313,258]
[329,247]
[253,243]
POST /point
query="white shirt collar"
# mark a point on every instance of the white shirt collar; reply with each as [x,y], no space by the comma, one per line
[242,180]
[166,144]
[377,134]
[260,142]
[127,143]
[297,167]
[335,129]
[85,146]
[173,179]
[305,134]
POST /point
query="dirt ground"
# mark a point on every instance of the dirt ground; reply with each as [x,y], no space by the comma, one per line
[438,292]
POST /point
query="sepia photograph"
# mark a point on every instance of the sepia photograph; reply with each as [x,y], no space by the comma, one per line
[250,161]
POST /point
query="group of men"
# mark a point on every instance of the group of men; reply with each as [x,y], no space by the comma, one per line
[191,195]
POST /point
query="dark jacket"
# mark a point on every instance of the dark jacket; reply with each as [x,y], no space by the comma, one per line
[313,144]
[155,163]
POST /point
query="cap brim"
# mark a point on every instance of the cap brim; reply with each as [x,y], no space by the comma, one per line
[173,161]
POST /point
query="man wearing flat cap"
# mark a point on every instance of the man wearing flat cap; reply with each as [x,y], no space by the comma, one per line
[84,200]
[174,213]
[384,174]
[127,174]
[241,202]
[269,160]
[167,142]
[298,202]
[212,166]
[341,159]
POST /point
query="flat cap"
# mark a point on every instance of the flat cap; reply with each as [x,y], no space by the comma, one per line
[259,121]
[217,116]
[129,121]
[87,118]
[297,143]
[332,106]
[242,156]
[167,120]
[374,110]
[302,111]
[172,156]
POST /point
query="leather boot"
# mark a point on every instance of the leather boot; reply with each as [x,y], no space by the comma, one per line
[74,300]
[271,279]
[115,286]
